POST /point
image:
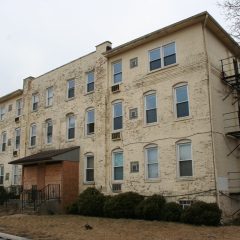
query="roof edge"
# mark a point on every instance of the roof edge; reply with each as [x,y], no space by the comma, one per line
[11,95]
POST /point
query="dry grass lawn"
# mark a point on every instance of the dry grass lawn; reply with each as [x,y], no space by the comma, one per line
[72,227]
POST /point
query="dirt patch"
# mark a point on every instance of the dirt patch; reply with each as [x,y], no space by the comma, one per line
[72,227]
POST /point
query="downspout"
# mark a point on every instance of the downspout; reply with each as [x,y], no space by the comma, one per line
[210,108]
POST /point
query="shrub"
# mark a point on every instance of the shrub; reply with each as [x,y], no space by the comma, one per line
[3,195]
[91,202]
[73,208]
[172,212]
[151,208]
[122,205]
[201,213]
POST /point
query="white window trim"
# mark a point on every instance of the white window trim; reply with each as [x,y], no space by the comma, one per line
[15,139]
[2,112]
[85,168]
[47,96]
[161,56]
[46,131]
[34,96]
[86,121]
[120,129]
[2,175]
[3,135]
[145,108]
[146,162]
[175,100]
[113,74]
[17,107]
[68,81]
[178,159]
[15,167]
[31,128]
[113,152]
[86,90]
[68,117]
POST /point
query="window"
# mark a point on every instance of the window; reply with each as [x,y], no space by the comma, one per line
[19,107]
[181,100]
[90,122]
[2,112]
[162,56]
[49,96]
[70,127]
[35,100]
[89,170]
[9,107]
[133,113]
[134,167]
[33,135]
[185,159]
[155,59]
[17,138]
[150,108]
[117,72]
[49,131]
[118,165]
[185,203]
[117,116]
[4,141]
[1,174]
[15,175]
[70,88]
[152,166]
[90,81]
[169,54]
[133,62]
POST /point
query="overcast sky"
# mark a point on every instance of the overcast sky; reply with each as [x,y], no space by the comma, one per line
[39,35]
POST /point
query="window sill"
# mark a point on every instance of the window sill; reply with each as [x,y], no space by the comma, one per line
[88,183]
[181,179]
[32,147]
[70,140]
[182,119]
[150,124]
[48,106]
[90,135]
[89,93]
[162,68]
[69,99]
[156,180]
[33,111]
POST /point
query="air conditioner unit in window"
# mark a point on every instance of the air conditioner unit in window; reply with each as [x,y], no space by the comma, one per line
[15,153]
[117,187]
[115,88]
[17,120]
[116,136]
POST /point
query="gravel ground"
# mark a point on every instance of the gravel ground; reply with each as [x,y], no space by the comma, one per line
[69,227]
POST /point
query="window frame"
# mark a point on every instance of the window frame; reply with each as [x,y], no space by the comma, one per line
[3,141]
[145,108]
[151,146]
[1,174]
[114,74]
[32,135]
[35,102]
[92,82]
[113,113]
[69,116]
[86,168]
[117,151]
[184,142]
[182,84]
[161,49]
[19,107]
[15,175]
[2,112]
[47,125]
[87,123]
[17,146]
[68,89]
[49,97]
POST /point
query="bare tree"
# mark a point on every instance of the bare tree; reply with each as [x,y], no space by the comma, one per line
[231,10]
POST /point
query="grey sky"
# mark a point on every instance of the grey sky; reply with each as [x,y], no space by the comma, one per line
[39,35]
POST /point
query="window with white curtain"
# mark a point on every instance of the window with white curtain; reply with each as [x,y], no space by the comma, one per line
[152,162]
[117,165]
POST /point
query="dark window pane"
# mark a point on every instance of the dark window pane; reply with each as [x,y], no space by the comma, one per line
[171,59]
[117,77]
[117,123]
[71,133]
[155,64]
[89,175]
[35,106]
[33,141]
[3,147]
[151,115]
[118,173]
[90,87]
[185,168]
[17,142]
[70,92]
[90,128]
[182,109]
[49,130]
[1,179]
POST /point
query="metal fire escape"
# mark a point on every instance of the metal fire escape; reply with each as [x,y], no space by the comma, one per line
[231,77]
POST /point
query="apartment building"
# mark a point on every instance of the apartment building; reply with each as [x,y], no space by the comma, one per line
[153,115]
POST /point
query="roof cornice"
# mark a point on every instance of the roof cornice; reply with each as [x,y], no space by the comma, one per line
[11,95]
